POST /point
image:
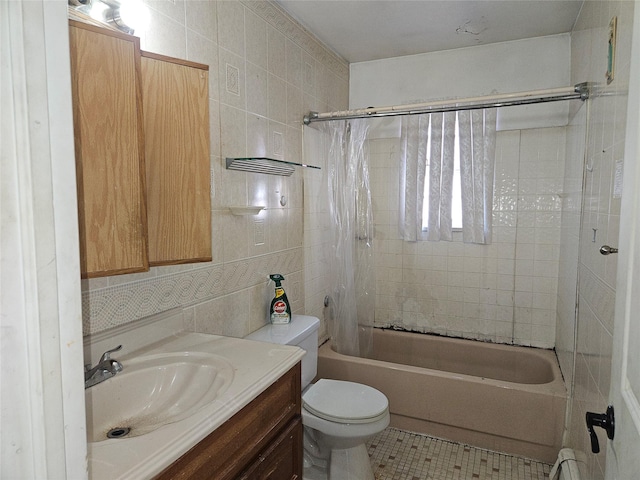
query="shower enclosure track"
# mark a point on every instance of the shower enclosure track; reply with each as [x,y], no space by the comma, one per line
[578,92]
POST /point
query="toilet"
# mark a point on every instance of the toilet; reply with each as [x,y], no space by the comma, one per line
[338,417]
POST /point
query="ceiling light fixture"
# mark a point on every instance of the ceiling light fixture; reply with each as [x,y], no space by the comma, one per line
[128,16]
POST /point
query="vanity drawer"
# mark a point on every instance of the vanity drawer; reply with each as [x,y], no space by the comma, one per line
[244,440]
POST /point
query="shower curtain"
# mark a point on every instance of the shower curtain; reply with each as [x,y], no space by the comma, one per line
[351,228]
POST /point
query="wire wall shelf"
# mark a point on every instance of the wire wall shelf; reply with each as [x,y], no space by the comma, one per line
[270,166]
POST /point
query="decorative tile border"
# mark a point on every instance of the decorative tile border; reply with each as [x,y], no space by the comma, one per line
[278,144]
[232,83]
[278,18]
[117,305]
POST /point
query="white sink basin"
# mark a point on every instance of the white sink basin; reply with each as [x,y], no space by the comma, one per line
[154,390]
[171,399]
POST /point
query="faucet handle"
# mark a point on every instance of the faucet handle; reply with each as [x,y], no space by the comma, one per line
[107,355]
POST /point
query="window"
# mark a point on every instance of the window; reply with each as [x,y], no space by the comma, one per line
[456,201]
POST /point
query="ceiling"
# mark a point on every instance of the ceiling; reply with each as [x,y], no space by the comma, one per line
[362,30]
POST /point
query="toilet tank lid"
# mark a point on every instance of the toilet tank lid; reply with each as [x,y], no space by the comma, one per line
[293,333]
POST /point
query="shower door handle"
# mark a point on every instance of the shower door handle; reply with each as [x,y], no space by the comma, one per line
[602,420]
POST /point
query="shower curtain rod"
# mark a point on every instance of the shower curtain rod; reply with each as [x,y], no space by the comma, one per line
[579,91]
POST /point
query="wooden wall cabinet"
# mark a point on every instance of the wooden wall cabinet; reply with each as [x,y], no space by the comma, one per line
[141,126]
[262,441]
[175,96]
[109,148]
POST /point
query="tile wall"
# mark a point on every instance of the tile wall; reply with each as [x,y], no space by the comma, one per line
[317,241]
[266,72]
[606,123]
[503,292]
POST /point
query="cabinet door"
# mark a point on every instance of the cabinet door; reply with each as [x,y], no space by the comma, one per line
[282,460]
[105,72]
[176,119]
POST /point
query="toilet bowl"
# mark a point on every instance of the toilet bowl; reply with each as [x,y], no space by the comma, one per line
[338,417]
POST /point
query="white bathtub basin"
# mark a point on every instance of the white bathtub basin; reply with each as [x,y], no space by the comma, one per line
[152,391]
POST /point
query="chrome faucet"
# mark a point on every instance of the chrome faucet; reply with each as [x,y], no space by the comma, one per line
[106,368]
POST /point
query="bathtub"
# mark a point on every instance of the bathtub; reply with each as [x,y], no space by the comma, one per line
[499,397]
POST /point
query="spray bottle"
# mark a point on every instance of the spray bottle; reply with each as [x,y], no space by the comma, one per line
[280,311]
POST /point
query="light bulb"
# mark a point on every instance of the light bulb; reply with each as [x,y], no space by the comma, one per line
[97,11]
[134,14]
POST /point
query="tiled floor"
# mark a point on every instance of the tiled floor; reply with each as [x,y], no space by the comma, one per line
[400,455]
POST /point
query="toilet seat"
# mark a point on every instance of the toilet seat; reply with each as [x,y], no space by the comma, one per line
[345,402]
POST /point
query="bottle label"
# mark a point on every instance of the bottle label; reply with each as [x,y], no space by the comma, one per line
[280,307]
[279,314]
[279,292]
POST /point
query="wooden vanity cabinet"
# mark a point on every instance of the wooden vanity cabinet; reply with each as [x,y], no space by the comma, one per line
[109,149]
[281,460]
[175,96]
[262,441]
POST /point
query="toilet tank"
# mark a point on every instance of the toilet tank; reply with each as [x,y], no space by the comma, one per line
[301,332]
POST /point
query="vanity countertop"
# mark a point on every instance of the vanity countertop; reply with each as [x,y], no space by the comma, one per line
[256,366]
